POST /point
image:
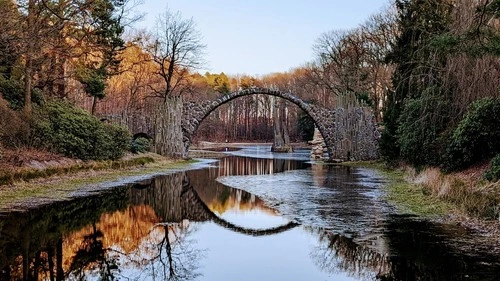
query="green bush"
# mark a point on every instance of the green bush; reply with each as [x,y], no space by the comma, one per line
[420,129]
[75,133]
[120,141]
[494,173]
[140,145]
[13,92]
[477,135]
[14,127]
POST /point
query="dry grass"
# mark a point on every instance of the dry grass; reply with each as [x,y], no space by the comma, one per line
[28,164]
[466,190]
[406,195]
[24,173]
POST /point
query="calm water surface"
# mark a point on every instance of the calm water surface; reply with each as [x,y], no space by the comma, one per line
[250,216]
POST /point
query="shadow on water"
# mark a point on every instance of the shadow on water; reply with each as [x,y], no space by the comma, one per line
[147,230]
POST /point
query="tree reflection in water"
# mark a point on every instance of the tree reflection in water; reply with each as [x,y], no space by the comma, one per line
[93,256]
[166,253]
[176,253]
[336,253]
[147,231]
[149,240]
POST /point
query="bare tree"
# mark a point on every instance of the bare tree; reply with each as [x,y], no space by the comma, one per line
[176,48]
[354,60]
[339,55]
[379,33]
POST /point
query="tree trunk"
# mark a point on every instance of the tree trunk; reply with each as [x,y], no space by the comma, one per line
[281,136]
[61,77]
[94,104]
[168,128]
[284,125]
[50,258]
[59,260]
[28,79]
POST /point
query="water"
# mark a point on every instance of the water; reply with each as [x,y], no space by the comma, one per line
[250,216]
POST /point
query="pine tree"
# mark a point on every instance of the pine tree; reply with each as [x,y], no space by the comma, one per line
[416,68]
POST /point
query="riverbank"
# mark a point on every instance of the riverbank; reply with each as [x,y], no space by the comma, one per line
[29,178]
[461,198]
[58,180]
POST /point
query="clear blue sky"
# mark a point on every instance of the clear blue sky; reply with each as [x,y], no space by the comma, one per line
[262,36]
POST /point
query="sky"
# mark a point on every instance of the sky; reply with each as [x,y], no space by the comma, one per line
[261,36]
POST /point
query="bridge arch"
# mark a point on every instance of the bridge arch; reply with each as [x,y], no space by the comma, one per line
[195,205]
[195,112]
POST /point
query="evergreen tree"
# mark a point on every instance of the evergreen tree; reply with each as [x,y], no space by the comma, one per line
[416,67]
[105,38]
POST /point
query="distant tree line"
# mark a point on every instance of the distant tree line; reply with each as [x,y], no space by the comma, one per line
[428,68]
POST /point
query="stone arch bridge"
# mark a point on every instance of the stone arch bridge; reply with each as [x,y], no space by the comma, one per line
[349,133]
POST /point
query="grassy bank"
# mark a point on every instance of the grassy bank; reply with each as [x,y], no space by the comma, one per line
[29,186]
[27,174]
[431,193]
[466,191]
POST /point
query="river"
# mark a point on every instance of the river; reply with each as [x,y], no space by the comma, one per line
[253,215]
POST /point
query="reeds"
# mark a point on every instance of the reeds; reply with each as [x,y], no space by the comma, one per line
[474,198]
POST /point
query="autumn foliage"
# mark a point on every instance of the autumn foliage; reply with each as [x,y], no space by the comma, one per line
[418,64]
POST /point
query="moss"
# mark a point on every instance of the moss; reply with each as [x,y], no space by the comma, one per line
[414,199]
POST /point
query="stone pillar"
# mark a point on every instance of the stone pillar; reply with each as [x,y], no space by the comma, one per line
[168,128]
[318,145]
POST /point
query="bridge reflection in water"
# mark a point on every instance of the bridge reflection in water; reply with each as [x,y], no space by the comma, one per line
[148,230]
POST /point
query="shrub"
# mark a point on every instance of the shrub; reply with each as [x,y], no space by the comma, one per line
[13,92]
[13,128]
[120,141]
[494,173]
[140,145]
[75,133]
[420,129]
[476,137]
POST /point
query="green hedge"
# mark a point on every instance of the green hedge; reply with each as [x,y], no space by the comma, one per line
[477,136]
[421,128]
[140,145]
[494,173]
[13,92]
[73,132]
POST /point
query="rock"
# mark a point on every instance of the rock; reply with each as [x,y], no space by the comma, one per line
[319,145]
[282,149]
[36,165]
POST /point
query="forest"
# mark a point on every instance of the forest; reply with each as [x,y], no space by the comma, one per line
[74,72]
